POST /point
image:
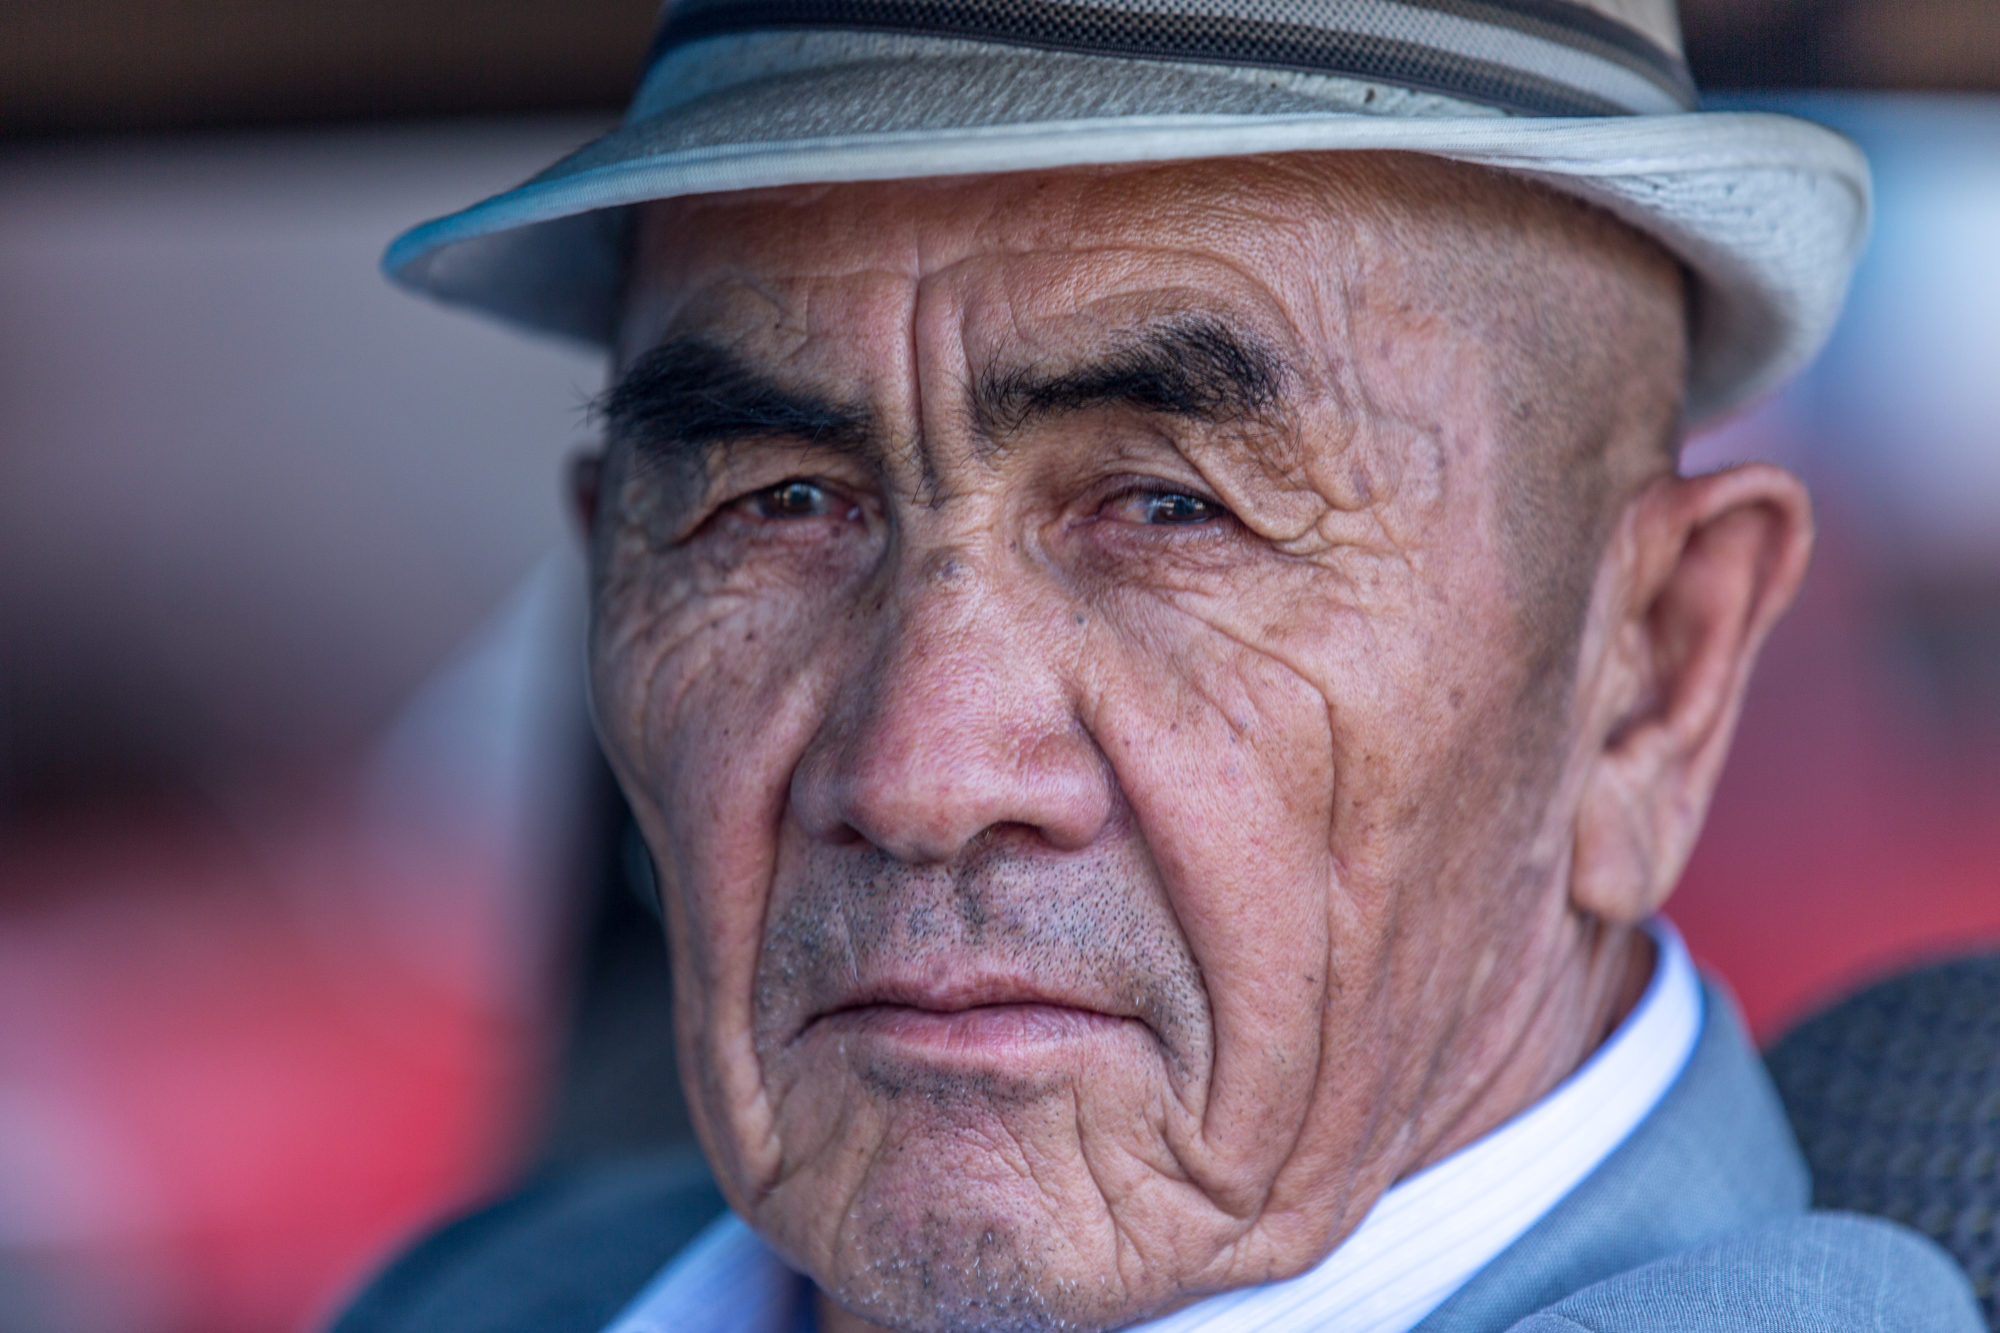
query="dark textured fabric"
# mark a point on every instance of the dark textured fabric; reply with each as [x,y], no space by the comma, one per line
[562,1256]
[1895,1095]
[1823,1273]
[1409,43]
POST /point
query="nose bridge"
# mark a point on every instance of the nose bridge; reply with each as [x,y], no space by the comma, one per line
[961,721]
[943,652]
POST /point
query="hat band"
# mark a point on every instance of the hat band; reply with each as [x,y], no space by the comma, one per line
[1538,58]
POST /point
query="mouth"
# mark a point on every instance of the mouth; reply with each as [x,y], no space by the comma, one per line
[988,1020]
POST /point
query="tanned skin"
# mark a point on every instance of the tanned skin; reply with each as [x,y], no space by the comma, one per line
[1161,698]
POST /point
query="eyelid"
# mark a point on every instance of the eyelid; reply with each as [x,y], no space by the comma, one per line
[746,468]
[843,504]
[1130,485]
[837,499]
[715,493]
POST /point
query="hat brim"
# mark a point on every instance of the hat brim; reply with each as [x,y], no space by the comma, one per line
[1769,213]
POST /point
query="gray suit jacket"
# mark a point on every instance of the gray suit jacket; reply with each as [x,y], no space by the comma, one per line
[1696,1224]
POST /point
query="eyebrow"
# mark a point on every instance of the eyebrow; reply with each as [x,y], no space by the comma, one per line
[686,397]
[1194,366]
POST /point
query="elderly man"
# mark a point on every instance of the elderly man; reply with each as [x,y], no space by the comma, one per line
[1144,606]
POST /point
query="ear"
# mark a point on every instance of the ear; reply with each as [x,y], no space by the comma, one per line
[586,472]
[1699,570]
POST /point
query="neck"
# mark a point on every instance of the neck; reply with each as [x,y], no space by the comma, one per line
[1529,1053]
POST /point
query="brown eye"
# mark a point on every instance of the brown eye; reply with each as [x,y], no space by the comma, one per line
[793,499]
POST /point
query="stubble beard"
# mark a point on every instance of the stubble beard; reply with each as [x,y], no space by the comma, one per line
[927,1244]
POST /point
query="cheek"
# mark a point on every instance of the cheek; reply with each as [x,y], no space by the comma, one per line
[1223,737]
[1283,746]
[708,677]
[702,644]
[708,680]
[1226,755]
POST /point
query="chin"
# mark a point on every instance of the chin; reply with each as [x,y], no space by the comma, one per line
[969,1215]
[953,1265]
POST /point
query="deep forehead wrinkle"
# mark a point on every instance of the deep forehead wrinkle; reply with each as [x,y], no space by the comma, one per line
[688,397]
[1194,366]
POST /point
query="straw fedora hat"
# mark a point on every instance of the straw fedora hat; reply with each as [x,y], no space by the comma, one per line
[1592,97]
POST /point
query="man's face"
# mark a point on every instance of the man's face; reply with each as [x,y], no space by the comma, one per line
[1066,641]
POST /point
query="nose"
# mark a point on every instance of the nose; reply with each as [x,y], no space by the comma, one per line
[962,722]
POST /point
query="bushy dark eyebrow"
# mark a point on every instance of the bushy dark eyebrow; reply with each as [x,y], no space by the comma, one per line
[1195,367]
[688,396]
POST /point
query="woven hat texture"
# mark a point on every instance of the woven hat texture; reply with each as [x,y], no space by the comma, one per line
[1590,97]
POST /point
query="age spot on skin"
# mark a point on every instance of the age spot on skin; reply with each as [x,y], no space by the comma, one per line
[946,569]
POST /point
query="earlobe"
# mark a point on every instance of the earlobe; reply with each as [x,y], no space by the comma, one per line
[1700,570]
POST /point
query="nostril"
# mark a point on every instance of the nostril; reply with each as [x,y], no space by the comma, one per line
[840,833]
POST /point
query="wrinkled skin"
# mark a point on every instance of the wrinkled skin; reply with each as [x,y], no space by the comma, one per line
[1105,846]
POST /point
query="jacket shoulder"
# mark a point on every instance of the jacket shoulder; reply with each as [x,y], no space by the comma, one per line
[563,1255]
[1815,1273]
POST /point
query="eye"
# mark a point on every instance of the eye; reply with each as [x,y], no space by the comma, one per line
[1174,507]
[797,498]
[1164,508]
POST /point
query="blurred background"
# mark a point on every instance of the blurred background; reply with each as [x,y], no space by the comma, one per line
[316,918]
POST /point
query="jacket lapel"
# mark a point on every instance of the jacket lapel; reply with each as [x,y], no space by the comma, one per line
[1715,1156]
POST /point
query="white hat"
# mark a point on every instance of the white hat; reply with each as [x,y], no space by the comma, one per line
[1591,97]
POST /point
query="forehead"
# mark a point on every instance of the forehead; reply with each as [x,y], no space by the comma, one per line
[927,224]
[1263,240]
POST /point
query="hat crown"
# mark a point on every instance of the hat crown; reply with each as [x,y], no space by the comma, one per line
[1587,58]
[1658,21]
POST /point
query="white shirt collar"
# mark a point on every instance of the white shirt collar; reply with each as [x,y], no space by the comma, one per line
[1423,1240]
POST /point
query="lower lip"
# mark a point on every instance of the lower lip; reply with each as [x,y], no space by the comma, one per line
[988,1030]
